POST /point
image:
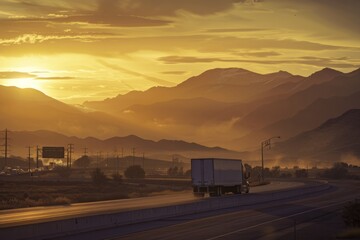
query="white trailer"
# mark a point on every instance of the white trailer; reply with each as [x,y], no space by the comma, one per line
[217,176]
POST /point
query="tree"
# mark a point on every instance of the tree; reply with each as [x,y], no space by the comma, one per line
[301,173]
[135,171]
[63,172]
[175,171]
[117,177]
[83,162]
[338,171]
[187,173]
[98,176]
[275,171]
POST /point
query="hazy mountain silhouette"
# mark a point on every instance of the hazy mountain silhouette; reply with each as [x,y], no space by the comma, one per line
[187,111]
[214,108]
[337,139]
[312,116]
[332,84]
[20,139]
[200,108]
[30,109]
[224,85]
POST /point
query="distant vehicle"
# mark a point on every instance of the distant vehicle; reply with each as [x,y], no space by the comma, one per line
[217,176]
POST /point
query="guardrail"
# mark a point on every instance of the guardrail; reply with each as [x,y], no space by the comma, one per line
[89,223]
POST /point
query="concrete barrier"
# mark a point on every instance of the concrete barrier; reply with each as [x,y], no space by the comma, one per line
[87,223]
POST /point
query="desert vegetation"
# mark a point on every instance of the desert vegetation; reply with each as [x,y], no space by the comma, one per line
[45,193]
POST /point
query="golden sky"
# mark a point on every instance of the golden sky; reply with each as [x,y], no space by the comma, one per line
[93,49]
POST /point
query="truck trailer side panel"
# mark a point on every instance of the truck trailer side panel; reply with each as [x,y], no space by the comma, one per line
[227,172]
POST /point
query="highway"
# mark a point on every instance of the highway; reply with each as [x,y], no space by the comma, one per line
[314,216]
[22,216]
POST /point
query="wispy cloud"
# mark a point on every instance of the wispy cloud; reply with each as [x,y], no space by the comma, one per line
[154,80]
[55,78]
[10,75]
[313,61]
[174,72]
[36,38]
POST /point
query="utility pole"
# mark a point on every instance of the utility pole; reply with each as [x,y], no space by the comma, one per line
[67,156]
[85,151]
[122,157]
[143,161]
[107,160]
[133,151]
[29,157]
[70,152]
[99,157]
[266,143]
[117,163]
[6,147]
[37,156]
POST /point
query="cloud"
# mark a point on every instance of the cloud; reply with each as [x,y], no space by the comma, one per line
[169,8]
[181,59]
[111,20]
[36,38]
[313,61]
[154,80]
[55,78]
[174,72]
[13,75]
[226,30]
[338,15]
[261,54]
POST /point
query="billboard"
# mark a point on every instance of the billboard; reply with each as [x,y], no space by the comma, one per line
[53,152]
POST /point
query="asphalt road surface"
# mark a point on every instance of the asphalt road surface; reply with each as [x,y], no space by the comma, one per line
[15,217]
[312,216]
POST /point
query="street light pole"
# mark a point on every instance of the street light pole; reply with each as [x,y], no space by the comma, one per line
[265,143]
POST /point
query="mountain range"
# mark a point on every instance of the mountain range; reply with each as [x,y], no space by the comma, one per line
[163,149]
[232,108]
[337,139]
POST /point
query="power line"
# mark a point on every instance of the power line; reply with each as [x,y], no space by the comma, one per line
[69,154]
[85,151]
[29,158]
[6,147]
[37,156]
[133,151]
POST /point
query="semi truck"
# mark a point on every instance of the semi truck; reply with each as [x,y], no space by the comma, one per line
[216,176]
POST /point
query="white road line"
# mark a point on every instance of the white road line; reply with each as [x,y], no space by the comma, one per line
[275,220]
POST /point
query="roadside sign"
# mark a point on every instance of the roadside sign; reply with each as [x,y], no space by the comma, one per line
[53,152]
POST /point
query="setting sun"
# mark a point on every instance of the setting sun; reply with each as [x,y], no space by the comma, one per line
[24,83]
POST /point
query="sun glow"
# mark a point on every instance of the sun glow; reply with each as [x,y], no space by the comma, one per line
[25,83]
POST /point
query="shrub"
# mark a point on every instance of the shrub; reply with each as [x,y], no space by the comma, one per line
[134,171]
[351,214]
[117,177]
[301,173]
[98,176]
[63,172]
[62,200]
[338,171]
[285,175]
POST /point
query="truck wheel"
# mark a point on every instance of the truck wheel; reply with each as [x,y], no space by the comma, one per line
[221,191]
[198,194]
[213,194]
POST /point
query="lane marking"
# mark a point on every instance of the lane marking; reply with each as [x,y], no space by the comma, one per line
[275,220]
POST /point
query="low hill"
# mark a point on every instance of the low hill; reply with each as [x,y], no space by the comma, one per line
[127,145]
